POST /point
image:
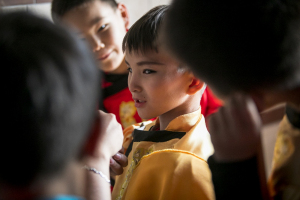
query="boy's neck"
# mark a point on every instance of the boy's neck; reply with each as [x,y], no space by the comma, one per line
[191,105]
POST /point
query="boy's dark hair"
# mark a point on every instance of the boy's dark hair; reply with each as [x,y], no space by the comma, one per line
[237,45]
[61,7]
[49,97]
[143,34]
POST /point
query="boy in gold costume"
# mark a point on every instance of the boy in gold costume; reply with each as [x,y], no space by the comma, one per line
[167,157]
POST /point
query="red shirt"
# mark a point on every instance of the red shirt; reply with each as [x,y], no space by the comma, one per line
[117,99]
[209,102]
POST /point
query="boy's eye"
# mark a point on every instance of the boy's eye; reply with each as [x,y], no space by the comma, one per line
[102,27]
[148,71]
[129,69]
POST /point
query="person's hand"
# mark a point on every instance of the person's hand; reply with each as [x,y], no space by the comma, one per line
[235,129]
[111,135]
[117,163]
[103,144]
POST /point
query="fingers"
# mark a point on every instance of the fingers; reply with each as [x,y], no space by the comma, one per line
[235,129]
[121,159]
[245,116]
[240,113]
[115,168]
[218,126]
[117,163]
[255,116]
[111,134]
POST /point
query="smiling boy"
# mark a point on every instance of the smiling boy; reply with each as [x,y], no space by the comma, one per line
[103,24]
[167,157]
[104,27]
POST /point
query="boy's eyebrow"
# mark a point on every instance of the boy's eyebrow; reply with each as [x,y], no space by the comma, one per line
[146,63]
[95,20]
[149,63]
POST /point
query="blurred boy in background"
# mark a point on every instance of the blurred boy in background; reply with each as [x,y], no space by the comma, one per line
[246,51]
[52,128]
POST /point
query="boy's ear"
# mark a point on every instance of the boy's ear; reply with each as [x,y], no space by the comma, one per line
[90,145]
[195,86]
[124,14]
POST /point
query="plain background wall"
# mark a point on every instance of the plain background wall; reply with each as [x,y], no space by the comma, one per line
[136,8]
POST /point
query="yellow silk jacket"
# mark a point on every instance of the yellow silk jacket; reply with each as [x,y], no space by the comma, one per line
[284,182]
[171,168]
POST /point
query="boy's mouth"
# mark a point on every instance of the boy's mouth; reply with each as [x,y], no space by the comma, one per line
[139,103]
[103,57]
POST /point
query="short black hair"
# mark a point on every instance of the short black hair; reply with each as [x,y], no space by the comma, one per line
[61,7]
[143,34]
[237,45]
[49,97]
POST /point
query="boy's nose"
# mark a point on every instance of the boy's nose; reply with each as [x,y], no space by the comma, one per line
[97,44]
[133,83]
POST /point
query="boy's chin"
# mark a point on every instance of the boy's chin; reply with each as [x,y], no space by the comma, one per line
[106,67]
[145,117]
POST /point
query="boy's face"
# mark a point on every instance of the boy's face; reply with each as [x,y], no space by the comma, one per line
[103,28]
[157,86]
